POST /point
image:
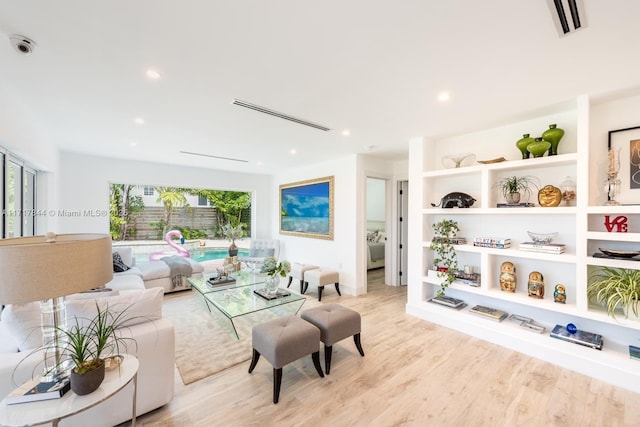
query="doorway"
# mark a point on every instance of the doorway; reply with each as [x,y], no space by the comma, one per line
[376,232]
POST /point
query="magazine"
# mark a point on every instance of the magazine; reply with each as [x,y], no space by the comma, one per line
[40,390]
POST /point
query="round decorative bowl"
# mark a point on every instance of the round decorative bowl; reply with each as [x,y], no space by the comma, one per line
[542,238]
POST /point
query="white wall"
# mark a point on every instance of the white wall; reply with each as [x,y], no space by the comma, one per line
[84,189]
[341,252]
[376,196]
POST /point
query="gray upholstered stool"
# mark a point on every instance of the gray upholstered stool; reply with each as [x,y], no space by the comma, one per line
[283,340]
[320,277]
[297,272]
[335,323]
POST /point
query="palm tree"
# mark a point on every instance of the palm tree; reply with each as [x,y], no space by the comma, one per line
[171,197]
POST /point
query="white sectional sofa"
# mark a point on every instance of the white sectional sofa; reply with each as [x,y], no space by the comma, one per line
[155,349]
[152,273]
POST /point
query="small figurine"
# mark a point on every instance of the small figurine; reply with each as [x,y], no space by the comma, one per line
[508,276]
[536,285]
[559,294]
[549,196]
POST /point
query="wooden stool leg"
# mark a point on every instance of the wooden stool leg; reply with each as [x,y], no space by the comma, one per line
[290,280]
[356,339]
[254,360]
[338,288]
[320,289]
[316,362]
[327,358]
[306,285]
[277,381]
[302,289]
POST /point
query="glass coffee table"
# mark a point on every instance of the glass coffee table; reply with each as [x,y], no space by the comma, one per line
[237,302]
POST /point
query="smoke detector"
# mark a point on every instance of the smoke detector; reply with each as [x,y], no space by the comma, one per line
[23,45]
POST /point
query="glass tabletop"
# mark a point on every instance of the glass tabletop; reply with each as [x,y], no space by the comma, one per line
[241,300]
[202,285]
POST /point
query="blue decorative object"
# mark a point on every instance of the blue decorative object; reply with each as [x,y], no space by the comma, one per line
[571,328]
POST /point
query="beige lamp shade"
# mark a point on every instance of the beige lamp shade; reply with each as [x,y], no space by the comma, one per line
[42,267]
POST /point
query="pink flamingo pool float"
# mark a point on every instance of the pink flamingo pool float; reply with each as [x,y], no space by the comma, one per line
[168,238]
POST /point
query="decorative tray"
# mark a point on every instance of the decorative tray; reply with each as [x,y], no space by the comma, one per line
[488,162]
[619,254]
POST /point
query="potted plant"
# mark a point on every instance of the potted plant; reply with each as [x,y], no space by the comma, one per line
[232,233]
[86,342]
[616,289]
[445,254]
[511,188]
[273,268]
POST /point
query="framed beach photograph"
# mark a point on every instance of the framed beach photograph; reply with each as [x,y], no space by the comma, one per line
[306,208]
[626,144]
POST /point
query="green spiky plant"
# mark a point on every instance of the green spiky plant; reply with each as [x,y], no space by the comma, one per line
[445,253]
[615,289]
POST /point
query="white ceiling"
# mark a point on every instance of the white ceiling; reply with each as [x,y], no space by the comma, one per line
[373,67]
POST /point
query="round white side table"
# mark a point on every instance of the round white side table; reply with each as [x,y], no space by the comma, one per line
[53,410]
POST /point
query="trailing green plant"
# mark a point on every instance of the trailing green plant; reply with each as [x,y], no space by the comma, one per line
[445,253]
[516,184]
[192,233]
[615,289]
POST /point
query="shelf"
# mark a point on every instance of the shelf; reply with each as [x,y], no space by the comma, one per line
[615,263]
[560,210]
[611,364]
[560,160]
[614,210]
[617,237]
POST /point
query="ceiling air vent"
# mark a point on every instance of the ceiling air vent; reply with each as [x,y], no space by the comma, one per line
[560,18]
[278,114]
[214,157]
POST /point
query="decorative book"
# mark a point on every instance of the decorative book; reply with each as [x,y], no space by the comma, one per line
[515,205]
[634,352]
[218,282]
[448,301]
[35,390]
[550,248]
[489,313]
[587,339]
[266,295]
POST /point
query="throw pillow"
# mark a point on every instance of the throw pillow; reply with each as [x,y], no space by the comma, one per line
[140,305]
[23,322]
[261,253]
[372,236]
[118,265]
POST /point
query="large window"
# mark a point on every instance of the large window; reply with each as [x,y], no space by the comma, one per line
[18,201]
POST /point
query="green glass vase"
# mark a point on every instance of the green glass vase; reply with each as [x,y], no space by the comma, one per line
[539,147]
[523,143]
[553,135]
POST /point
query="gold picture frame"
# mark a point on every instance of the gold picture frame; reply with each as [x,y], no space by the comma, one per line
[306,208]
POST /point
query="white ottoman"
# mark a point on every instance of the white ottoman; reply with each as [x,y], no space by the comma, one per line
[320,277]
[297,272]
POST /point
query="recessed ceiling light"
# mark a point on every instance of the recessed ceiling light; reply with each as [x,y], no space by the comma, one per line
[292,151]
[152,74]
[346,132]
[259,163]
[133,143]
[139,120]
[444,96]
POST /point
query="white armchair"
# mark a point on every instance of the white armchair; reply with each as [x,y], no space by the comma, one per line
[260,249]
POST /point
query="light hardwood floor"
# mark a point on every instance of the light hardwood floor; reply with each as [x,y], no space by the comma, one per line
[414,373]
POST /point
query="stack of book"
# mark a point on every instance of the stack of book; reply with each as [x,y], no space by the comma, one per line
[492,242]
[634,352]
[40,390]
[587,339]
[489,313]
[515,205]
[548,248]
[448,301]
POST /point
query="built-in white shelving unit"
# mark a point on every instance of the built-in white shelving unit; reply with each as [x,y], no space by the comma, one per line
[583,156]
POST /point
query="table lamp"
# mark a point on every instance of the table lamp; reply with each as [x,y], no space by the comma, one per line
[45,269]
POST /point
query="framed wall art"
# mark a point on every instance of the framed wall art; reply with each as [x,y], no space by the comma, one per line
[306,208]
[625,144]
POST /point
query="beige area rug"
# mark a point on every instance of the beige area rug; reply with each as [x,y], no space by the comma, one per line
[205,343]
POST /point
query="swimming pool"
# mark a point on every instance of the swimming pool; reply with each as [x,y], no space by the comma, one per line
[200,254]
[208,254]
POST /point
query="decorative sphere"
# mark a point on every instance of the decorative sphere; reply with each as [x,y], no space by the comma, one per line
[571,328]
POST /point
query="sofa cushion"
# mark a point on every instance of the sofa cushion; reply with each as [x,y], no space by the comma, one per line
[8,343]
[118,264]
[154,270]
[139,306]
[23,323]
